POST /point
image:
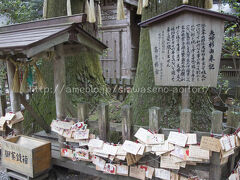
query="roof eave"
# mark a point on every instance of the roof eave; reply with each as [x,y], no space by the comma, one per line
[187,8]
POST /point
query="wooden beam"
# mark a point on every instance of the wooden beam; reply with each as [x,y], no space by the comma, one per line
[46,45]
[72,50]
[90,43]
[59,86]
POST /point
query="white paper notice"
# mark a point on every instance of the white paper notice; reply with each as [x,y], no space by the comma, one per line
[162,174]
[131,147]
[177,138]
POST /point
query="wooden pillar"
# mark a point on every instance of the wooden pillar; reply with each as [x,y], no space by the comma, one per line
[186,98]
[126,122]
[14,97]
[217,117]
[215,167]
[103,121]
[59,87]
[185,120]
[154,119]
[3,105]
[83,112]
[230,119]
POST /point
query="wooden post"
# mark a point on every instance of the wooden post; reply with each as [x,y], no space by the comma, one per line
[154,119]
[232,122]
[217,117]
[230,119]
[14,97]
[238,92]
[103,121]
[117,88]
[126,122]
[154,124]
[215,167]
[185,120]
[186,98]
[59,85]
[83,111]
[3,105]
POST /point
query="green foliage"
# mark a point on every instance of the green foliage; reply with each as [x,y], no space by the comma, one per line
[18,11]
[232,34]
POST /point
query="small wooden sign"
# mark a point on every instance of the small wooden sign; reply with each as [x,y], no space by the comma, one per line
[186,45]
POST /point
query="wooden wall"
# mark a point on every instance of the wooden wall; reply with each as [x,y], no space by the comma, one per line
[122,38]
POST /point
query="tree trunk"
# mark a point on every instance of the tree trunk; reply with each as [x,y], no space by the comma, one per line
[169,102]
[82,71]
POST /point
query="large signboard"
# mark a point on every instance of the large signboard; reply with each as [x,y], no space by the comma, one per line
[186,50]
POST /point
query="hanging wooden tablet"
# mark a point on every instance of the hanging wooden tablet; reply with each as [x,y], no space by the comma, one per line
[185,1]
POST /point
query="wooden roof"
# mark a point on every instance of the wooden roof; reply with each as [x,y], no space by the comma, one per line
[32,38]
[186,8]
